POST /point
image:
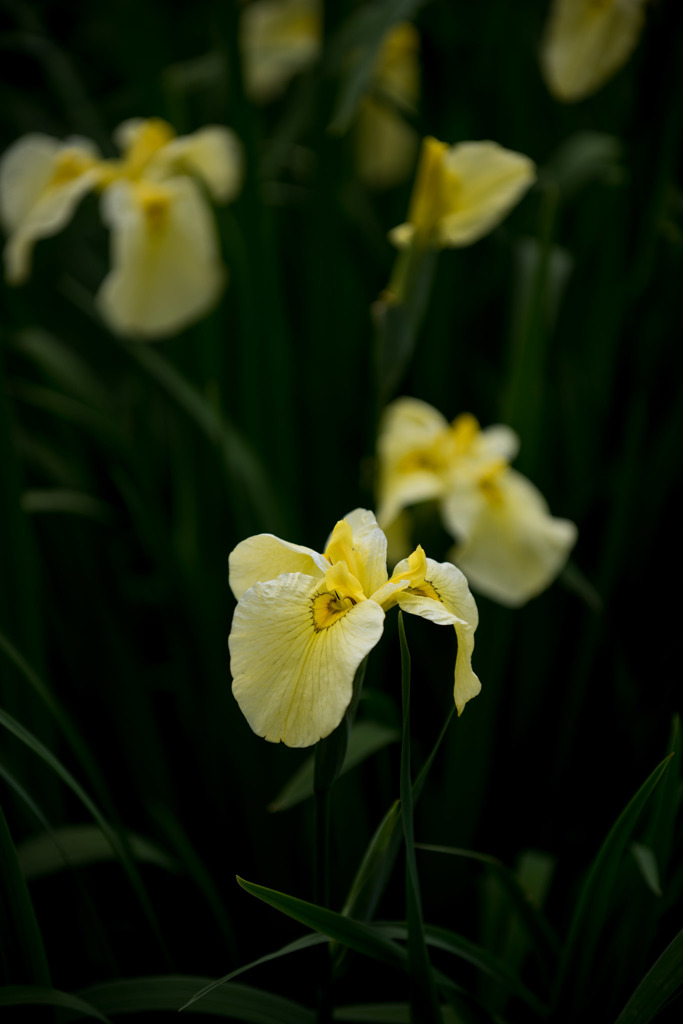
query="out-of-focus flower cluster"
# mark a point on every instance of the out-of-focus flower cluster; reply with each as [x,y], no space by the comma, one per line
[508,545]
[166,269]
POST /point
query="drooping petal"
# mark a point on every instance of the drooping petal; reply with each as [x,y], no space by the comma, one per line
[42,180]
[511,547]
[278,39]
[264,557]
[444,597]
[295,649]
[166,268]
[358,541]
[213,154]
[586,42]
[491,180]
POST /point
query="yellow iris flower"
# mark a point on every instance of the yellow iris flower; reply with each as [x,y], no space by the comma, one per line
[278,39]
[386,144]
[166,268]
[586,42]
[305,621]
[509,546]
[462,192]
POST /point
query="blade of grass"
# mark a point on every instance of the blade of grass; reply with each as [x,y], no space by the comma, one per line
[75,845]
[112,837]
[34,995]
[591,909]
[660,984]
[24,934]
[424,1003]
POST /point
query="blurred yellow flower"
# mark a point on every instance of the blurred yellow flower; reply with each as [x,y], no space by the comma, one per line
[386,143]
[586,42]
[278,39]
[166,267]
[509,546]
[461,193]
[305,621]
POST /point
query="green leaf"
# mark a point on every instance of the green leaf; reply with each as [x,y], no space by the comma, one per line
[60,500]
[591,908]
[76,845]
[387,1013]
[659,985]
[63,365]
[17,909]
[305,942]
[644,857]
[34,995]
[424,1002]
[140,995]
[366,739]
[375,868]
[112,837]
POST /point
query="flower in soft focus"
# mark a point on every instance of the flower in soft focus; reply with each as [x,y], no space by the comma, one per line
[462,192]
[166,267]
[386,143]
[586,42]
[278,39]
[305,621]
[508,545]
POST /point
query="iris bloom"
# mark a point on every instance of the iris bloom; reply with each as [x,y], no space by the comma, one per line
[461,193]
[166,267]
[586,42]
[385,143]
[509,546]
[278,39]
[305,621]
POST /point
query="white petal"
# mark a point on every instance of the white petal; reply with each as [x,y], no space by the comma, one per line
[162,277]
[585,43]
[511,548]
[492,180]
[454,606]
[264,557]
[37,197]
[213,154]
[293,683]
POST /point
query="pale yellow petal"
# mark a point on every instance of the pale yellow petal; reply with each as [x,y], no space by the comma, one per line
[166,269]
[264,557]
[512,547]
[363,546]
[491,181]
[294,682]
[278,39]
[445,598]
[42,180]
[586,42]
[385,145]
[213,154]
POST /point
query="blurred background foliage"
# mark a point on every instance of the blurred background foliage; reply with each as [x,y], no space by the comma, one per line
[131,470]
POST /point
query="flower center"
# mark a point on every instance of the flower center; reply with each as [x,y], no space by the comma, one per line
[328,608]
[70,165]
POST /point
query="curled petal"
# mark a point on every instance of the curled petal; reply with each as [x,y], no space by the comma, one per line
[265,557]
[213,154]
[444,598]
[586,42]
[511,547]
[358,541]
[166,269]
[492,180]
[42,181]
[295,649]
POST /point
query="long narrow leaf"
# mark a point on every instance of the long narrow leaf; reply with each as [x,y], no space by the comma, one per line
[659,985]
[34,995]
[17,908]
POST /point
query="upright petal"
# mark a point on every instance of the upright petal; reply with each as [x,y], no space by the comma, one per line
[264,557]
[295,649]
[213,154]
[586,42]
[42,180]
[278,39]
[166,269]
[491,180]
[511,547]
[443,597]
[358,541]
